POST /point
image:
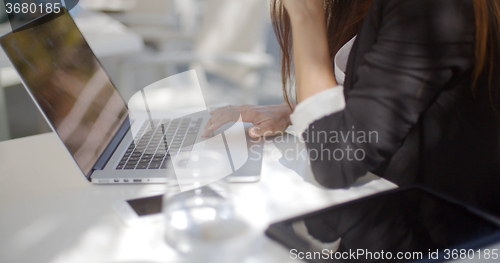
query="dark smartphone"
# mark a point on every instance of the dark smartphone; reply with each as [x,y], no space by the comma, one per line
[148,209]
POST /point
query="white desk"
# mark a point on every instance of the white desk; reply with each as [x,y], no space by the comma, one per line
[50,213]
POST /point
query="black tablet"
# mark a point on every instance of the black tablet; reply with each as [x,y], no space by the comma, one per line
[402,225]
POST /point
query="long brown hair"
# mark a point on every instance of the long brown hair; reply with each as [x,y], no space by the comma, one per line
[344,19]
[487,14]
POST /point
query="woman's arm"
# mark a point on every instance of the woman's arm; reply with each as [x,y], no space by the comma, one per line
[313,74]
[412,51]
[313,68]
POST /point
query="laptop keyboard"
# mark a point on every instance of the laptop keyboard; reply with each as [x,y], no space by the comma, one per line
[152,149]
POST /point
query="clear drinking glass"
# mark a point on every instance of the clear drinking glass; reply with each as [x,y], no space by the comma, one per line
[200,221]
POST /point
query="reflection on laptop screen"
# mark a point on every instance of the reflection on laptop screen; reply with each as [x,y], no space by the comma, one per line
[69,85]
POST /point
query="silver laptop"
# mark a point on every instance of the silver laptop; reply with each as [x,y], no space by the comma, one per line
[80,103]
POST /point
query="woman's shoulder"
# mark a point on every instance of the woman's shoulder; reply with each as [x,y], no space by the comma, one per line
[439,20]
[430,5]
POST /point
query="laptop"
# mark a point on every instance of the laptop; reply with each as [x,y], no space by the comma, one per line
[83,107]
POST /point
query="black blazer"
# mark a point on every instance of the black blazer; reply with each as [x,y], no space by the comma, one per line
[409,85]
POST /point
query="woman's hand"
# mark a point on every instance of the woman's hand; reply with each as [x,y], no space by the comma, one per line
[267,120]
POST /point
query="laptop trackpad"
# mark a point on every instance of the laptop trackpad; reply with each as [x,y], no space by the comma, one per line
[231,141]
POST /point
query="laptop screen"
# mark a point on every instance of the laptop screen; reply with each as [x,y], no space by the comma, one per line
[69,85]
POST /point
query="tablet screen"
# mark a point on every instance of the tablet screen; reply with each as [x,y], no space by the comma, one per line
[403,225]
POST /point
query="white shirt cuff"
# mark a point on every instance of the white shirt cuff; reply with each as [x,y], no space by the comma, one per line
[316,107]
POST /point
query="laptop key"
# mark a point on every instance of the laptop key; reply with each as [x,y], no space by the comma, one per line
[129,167]
[119,167]
[132,163]
[162,148]
[142,166]
[154,165]
[189,141]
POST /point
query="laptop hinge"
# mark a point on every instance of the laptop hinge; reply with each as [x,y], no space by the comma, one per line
[110,149]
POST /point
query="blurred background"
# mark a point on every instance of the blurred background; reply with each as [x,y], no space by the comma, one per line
[230,44]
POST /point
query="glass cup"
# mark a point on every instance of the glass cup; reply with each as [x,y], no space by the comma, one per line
[200,220]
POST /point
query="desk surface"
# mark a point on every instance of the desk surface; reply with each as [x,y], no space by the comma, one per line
[49,212]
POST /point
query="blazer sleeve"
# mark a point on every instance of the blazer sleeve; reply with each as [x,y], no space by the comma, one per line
[420,47]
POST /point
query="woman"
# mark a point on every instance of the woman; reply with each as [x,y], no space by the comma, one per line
[422,77]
